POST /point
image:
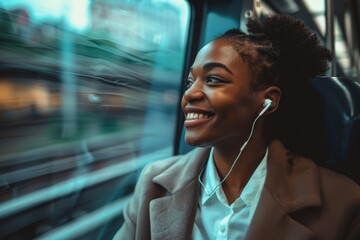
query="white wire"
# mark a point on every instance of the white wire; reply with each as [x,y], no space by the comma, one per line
[236,159]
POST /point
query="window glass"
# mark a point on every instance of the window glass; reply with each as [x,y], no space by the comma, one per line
[88,95]
[317,11]
[343,54]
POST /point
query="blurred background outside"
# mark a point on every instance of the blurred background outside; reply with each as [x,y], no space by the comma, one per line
[88,95]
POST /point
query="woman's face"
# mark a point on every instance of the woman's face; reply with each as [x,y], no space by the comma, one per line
[219,105]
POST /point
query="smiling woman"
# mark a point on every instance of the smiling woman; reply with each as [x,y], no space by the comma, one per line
[220,86]
[253,177]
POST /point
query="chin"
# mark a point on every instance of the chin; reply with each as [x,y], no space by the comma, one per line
[195,141]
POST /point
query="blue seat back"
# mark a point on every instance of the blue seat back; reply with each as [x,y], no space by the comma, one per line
[341,100]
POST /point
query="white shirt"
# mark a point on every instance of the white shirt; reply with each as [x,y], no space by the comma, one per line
[215,219]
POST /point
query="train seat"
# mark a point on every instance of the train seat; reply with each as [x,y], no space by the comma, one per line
[341,100]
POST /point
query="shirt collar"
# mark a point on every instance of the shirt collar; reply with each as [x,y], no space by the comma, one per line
[211,180]
[255,182]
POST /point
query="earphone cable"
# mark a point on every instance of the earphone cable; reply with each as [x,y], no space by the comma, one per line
[232,166]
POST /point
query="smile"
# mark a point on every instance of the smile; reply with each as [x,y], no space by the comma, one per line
[194,119]
[191,116]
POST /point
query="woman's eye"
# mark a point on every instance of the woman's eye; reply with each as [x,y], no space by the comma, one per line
[214,80]
[188,83]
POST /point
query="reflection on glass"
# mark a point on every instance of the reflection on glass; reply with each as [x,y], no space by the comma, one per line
[88,95]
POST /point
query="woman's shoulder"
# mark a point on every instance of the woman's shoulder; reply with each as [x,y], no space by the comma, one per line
[339,184]
[176,167]
[159,166]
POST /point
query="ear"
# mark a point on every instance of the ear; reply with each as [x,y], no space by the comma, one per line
[274,94]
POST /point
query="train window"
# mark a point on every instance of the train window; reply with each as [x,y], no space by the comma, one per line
[317,10]
[343,39]
[88,96]
[342,51]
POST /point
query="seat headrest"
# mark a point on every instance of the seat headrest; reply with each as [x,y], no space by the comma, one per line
[341,99]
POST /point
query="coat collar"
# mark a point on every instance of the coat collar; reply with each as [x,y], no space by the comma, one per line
[290,185]
[183,171]
[293,181]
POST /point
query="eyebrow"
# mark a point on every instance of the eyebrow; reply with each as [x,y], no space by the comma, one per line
[210,65]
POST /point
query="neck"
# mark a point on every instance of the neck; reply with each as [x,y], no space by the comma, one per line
[251,156]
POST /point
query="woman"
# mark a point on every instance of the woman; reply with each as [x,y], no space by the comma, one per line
[248,106]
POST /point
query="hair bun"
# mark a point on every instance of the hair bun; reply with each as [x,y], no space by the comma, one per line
[300,53]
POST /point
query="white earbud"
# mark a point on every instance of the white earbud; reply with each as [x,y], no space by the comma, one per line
[267,102]
[266,105]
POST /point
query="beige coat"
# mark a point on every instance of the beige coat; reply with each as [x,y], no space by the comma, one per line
[300,201]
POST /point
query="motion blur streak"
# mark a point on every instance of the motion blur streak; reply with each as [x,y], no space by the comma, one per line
[88,95]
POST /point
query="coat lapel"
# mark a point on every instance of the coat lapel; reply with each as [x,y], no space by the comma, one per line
[291,186]
[271,221]
[172,217]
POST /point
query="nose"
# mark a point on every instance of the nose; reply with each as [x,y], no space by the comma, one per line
[194,92]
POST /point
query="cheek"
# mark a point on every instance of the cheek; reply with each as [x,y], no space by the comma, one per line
[228,103]
[236,110]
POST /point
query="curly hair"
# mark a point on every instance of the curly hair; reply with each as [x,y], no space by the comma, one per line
[279,48]
[282,51]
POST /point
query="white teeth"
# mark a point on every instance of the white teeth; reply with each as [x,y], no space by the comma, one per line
[190,116]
